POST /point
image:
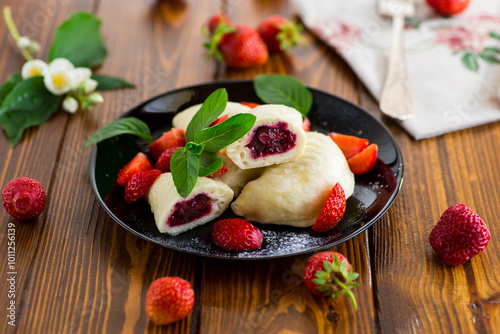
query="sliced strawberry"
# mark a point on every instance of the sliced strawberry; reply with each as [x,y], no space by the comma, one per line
[236,234]
[350,145]
[306,124]
[139,163]
[250,104]
[333,210]
[219,120]
[163,162]
[220,172]
[364,161]
[139,184]
[169,139]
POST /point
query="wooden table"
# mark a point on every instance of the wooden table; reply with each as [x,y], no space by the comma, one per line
[79,271]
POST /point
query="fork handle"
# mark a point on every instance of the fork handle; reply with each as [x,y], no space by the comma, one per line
[396,100]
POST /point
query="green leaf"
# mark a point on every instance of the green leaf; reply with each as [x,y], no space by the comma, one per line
[490,55]
[106,82]
[495,35]
[7,87]
[209,163]
[470,62]
[120,126]
[219,136]
[283,89]
[29,103]
[213,106]
[184,165]
[79,40]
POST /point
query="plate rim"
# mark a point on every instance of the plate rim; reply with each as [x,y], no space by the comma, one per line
[377,217]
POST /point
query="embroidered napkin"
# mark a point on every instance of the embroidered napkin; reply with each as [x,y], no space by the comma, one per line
[453,63]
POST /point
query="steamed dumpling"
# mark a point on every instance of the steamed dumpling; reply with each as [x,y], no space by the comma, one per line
[182,119]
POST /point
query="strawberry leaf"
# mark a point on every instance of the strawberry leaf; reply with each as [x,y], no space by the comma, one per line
[106,82]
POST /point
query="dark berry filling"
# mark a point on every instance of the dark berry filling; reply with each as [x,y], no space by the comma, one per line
[189,210]
[272,139]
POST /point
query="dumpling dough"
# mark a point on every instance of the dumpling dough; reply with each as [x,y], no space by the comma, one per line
[182,119]
[269,116]
[294,193]
[163,199]
[235,177]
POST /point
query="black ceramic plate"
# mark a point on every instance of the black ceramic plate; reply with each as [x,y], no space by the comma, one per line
[373,195]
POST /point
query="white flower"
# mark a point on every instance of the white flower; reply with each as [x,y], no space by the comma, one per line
[89,86]
[95,98]
[58,79]
[70,104]
[62,63]
[81,74]
[33,68]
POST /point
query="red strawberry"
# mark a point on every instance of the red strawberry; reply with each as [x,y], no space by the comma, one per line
[333,210]
[219,120]
[169,299]
[220,172]
[449,7]
[173,138]
[215,21]
[24,198]
[139,184]
[163,162]
[241,48]
[459,235]
[250,104]
[330,274]
[280,34]
[364,161]
[306,124]
[236,234]
[349,145]
[139,163]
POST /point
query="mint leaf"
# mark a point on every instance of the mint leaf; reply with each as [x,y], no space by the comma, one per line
[283,89]
[184,165]
[125,125]
[106,82]
[7,87]
[219,136]
[209,163]
[470,62]
[79,40]
[213,106]
[28,103]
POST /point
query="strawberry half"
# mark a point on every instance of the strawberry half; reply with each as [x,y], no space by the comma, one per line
[220,172]
[306,124]
[280,34]
[139,163]
[24,198]
[236,234]
[219,120]
[333,210]
[250,104]
[169,299]
[139,184]
[349,145]
[364,161]
[330,274]
[459,235]
[173,138]
[449,7]
[163,162]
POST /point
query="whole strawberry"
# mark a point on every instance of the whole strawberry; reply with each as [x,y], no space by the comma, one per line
[169,299]
[241,48]
[236,234]
[140,184]
[280,34]
[459,235]
[330,274]
[24,198]
[333,210]
[449,7]
[217,20]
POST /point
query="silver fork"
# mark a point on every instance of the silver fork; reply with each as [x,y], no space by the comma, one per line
[396,100]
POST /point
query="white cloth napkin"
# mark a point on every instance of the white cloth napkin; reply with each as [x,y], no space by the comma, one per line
[453,63]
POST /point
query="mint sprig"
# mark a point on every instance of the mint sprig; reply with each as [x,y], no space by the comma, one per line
[120,126]
[199,157]
[283,89]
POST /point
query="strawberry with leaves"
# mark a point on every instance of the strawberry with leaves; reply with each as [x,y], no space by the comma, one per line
[280,34]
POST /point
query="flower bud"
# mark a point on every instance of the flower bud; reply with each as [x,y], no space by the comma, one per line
[70,104]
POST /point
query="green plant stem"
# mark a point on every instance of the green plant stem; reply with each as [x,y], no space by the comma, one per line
[349,292]
[7,14]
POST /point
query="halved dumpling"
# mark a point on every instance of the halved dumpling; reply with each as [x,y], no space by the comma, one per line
[293,193]
[182,119]
[174,214]
[276,137]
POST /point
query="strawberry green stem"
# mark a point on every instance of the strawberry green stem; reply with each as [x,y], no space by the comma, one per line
[7,14]
[349,293]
